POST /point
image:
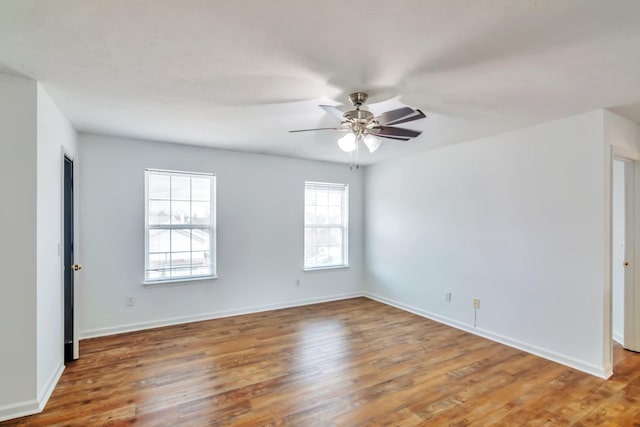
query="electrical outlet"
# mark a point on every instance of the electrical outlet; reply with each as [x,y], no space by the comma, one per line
[447,296]
[476,303]
[129,302]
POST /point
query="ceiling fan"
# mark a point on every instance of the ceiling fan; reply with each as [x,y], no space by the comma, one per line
[362,126]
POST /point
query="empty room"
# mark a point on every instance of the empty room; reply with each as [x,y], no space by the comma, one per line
[320,213]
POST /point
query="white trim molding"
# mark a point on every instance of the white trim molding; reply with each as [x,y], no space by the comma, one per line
[19,409]
[529,348]
[34,406]
[45,393]
[617,337]
[132,327]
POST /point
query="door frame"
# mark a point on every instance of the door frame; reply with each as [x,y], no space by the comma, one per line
[632,236]
[632,242]
[66,153]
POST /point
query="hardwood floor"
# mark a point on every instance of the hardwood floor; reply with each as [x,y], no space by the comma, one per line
[346,363]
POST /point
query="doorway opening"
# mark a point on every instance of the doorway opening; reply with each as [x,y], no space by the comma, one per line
[68,259]
[625,288]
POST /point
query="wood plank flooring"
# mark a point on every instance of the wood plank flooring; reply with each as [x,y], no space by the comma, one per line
[346,363]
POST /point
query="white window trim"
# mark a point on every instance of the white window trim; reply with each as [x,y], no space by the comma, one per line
[345,227]
[212,227]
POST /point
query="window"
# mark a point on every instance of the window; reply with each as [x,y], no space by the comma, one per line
[326,227]
[180,226]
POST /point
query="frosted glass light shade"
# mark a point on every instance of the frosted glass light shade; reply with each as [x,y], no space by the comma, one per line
[372,143]
[347,143]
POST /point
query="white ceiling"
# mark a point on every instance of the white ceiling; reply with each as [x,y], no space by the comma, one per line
[239,74]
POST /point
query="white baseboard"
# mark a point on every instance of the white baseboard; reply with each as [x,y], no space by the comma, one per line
[19,409]
[34,406]
[45,393]
[132,327]
[618,337]
[529,348]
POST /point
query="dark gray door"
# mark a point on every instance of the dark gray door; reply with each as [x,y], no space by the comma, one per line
[68,260]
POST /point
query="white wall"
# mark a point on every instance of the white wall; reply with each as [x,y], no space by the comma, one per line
[54,132]
[260,231]
[618,253]
[18,248]
[623,135]
[32,131]
[518,220]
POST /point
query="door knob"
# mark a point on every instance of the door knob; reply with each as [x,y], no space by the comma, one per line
[76,267]
[626,264]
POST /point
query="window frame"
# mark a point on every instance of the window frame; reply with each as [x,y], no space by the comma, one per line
[212,227]
[344,226]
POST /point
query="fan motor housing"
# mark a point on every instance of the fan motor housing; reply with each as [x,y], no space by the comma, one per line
[359,115]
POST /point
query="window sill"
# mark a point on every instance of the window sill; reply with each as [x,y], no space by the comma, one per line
[328,267]
[171,282]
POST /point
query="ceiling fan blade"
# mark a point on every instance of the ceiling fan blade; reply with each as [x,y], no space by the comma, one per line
[393,115]
[309,130]
[335,112]
[419,115]
[392,131]
[397,138]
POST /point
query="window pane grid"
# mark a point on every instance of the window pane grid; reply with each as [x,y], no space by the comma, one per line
[325,221]
[180,226]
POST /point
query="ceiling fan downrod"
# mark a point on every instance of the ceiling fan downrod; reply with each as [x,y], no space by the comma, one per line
[358,116]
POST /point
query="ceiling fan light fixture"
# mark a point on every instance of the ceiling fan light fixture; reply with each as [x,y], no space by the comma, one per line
[347,143]
[363,126]
[372,143]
